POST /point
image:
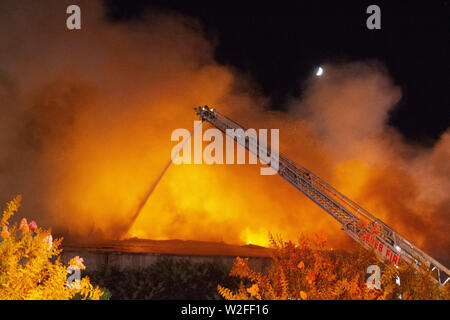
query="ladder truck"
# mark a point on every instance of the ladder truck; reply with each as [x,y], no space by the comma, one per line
[359,224]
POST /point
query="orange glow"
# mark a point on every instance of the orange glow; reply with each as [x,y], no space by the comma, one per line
[96,121]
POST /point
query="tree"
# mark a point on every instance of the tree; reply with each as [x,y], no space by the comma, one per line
[307,270]
[30,266]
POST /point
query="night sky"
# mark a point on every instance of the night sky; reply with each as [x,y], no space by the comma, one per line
[280,43]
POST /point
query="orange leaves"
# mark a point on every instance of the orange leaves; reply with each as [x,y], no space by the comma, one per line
[294,273]
[30,267]
[320,238]
[77,263]
[254,291]
[303,295]
[306,270]
[225,293]
[241,263]
[5,233]
[240,268]
[311,276]
[302,242]
[11,209]
[309,271]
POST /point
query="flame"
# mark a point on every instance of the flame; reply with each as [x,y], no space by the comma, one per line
[95,124]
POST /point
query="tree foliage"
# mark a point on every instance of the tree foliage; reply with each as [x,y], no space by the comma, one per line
[308,270]
[30,267]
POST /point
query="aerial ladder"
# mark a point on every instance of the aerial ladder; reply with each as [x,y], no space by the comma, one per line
[369,231]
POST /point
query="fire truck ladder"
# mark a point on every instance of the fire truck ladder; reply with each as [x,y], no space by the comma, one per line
[356,222]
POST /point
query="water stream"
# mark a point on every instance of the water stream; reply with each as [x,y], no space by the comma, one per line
[155,183]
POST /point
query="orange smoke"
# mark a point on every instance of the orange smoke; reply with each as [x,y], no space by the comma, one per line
[87,119]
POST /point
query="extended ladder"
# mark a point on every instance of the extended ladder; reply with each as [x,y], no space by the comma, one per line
[359,224]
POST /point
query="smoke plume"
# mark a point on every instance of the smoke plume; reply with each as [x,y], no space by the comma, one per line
[86,118]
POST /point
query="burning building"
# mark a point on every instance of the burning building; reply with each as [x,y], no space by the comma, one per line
[86,120]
